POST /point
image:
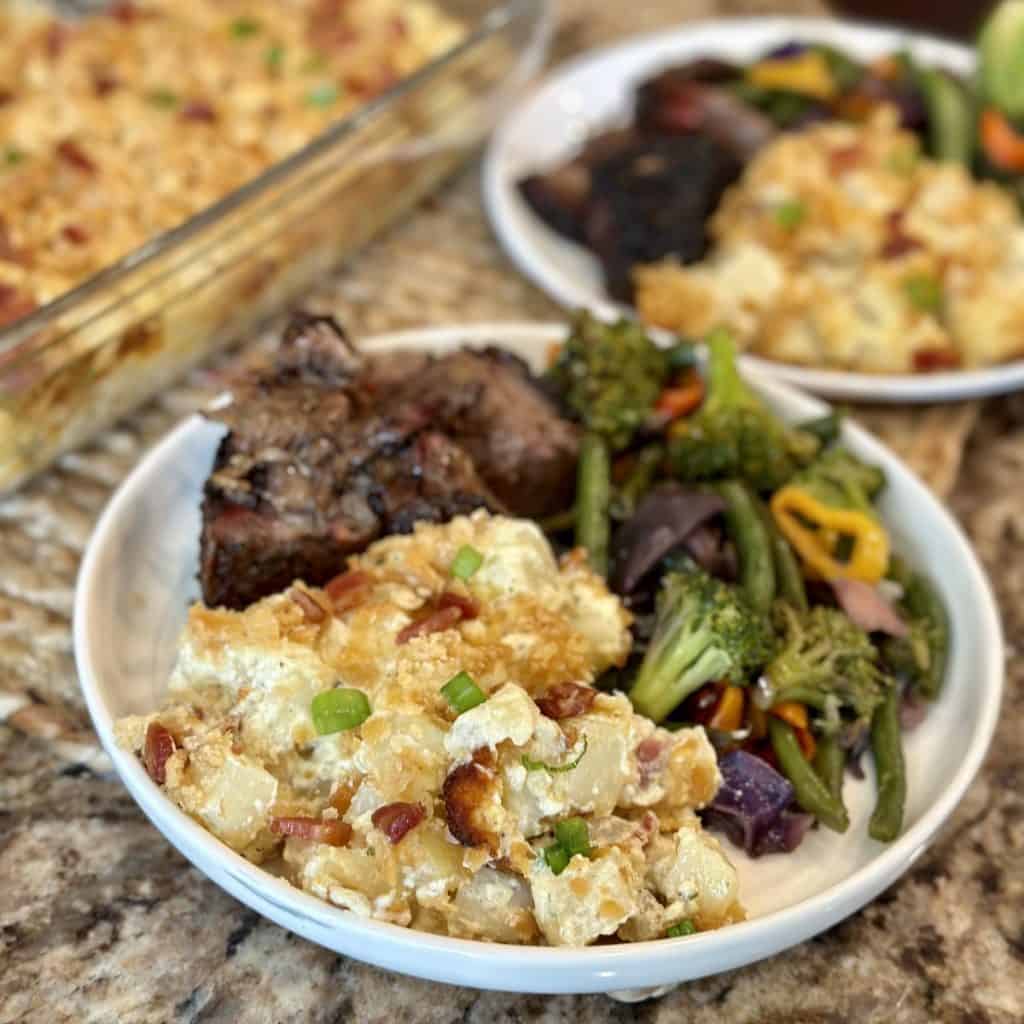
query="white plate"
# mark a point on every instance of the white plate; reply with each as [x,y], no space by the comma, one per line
[139,575]
[595,92]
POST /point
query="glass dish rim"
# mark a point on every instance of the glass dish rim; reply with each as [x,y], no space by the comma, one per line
[499,15]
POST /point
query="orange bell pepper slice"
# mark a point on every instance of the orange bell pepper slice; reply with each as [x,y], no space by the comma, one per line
[682,398]
[792,712]
[1002,143]
[728,716]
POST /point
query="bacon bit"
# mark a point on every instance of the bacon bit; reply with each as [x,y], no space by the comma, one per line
[466,605]
[57,36]
[566,700]
[124,11]
[650,749]
[72,153]
[436,622]
[159,747]
[330,833]
[310,608]
[104,83]
[844,159]
[348,590]
[14,305]
[75,234]
[198,110]
[647,827]
[397,820]
[898,243]
[927,360]
[8,250]
[399,29]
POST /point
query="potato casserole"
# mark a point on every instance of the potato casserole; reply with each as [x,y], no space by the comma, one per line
[842,247]
[483,787]
[123,124]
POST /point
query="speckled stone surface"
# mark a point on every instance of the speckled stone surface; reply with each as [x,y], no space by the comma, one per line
[101,921]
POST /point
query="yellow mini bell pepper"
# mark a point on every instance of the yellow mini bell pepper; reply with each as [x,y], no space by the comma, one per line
[814,529]
[807,74]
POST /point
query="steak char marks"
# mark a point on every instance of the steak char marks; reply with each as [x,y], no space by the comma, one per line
[327,451]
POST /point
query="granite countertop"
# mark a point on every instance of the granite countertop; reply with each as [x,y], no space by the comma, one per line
[101,920]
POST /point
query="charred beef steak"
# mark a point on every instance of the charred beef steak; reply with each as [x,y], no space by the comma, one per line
[327,451]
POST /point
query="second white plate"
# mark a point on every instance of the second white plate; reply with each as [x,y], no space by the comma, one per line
[595,92]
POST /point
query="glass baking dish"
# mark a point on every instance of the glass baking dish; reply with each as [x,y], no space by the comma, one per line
[78,363]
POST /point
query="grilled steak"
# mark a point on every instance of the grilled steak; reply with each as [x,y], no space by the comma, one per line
[488,402]
[327,451]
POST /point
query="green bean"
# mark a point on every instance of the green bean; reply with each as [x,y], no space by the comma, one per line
[830,764]
[753,544]
[825,428]
[593,494]
[638,483]
[887,747]
[810,792]
[789,579]
[924,605]
[558,522]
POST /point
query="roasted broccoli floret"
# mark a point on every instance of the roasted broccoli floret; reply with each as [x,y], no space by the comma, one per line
[841,480]
[704,630]
[734,434]
[609,376]
[826,662]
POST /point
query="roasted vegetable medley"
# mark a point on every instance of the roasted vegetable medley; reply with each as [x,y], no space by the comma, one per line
[769,605]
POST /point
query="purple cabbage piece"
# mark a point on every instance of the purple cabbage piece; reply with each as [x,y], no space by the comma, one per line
[753,806]
[663,520]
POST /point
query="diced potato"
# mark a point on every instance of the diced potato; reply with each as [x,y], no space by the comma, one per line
[495,905]
[590,898]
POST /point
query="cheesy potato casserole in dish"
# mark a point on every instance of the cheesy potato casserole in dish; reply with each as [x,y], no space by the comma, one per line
[419,741]
[842,246]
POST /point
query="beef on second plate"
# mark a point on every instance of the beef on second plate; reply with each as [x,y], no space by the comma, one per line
[328,450]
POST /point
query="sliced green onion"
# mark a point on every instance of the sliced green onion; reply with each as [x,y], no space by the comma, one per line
[684,927]
[557,858]
[573,836]
[325,95]
[338,710]
[314,62]
[13,155]
[542,766]
[924,292]
[902,160]
[243,28]
[462,692]
[790,214]
[274,57]
[466,562]
[163,98]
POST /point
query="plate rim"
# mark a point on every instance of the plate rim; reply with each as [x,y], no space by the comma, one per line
[502,209]
[535,969]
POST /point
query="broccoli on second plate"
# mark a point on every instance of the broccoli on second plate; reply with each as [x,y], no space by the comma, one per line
[826,662]
[609,376]
[704,631]
[734,434]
